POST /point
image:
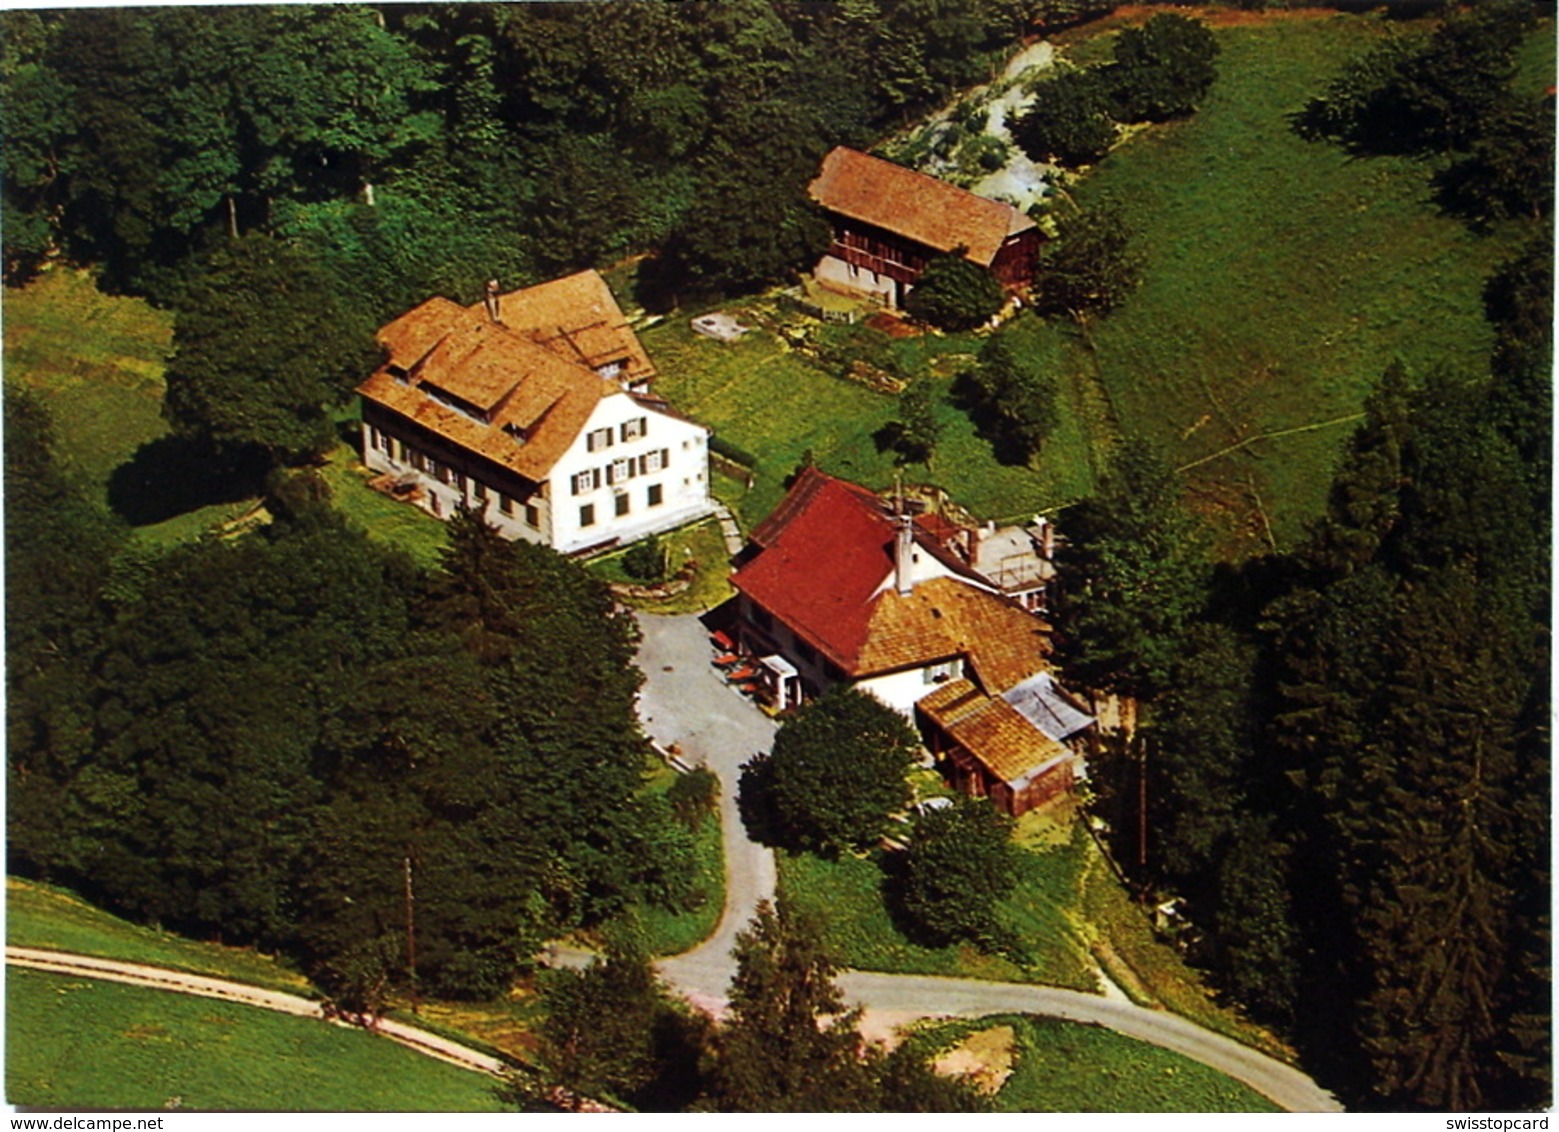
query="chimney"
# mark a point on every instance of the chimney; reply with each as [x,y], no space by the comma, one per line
[490,299]
[1047,539]
[904,554]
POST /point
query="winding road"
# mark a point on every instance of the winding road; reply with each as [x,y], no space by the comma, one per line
[686,703]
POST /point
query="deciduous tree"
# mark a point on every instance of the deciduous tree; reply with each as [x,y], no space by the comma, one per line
[264,344]
[838,770]
[960,865]
[954,294]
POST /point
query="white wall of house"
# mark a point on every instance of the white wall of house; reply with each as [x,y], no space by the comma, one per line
[653,475]
[832,271]
[900,690]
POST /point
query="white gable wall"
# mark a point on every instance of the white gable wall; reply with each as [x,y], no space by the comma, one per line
[625,469]
[901,690]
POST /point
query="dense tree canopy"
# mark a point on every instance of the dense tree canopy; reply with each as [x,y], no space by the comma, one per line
[264,344]
[1091,268]
[1069,122]
[1162,69]
[837,770]
[954,294]
[1136,577]
[296,739]
[1012,401]
[428,147]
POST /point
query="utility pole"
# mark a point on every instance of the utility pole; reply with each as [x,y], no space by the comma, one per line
[411,937]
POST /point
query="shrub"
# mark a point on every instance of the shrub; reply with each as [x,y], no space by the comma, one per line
[693,795]
[646,560]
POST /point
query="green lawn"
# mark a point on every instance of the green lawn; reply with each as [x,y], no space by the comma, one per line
[81,1044]
[700,542]
[388,521]
[1068,1067]
[846,894]
[41,915]
[762,396]
[1282,277]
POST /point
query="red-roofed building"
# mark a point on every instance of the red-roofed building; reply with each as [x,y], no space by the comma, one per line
[837,588]
[890,221]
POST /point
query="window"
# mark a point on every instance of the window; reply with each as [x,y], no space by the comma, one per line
[586,481]
[621,504]
[653,461]
[460,482]
[600,438]
[587,515]
[505,504]
[761,617]
[942,672]
[621,470]
[655,495]
[481,490]
[532,517]
[634,429]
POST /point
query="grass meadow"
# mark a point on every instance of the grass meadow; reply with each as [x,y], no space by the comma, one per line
[847,895]
[671,933]
[1282,278]
[41,915]
[773,402]
[1068,1067]
[83,1044]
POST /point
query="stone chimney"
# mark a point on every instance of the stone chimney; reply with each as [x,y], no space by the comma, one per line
[490,300]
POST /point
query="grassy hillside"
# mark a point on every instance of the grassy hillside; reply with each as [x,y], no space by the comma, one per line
[40,915]
[79,1043]
[778,405]
[1282,278]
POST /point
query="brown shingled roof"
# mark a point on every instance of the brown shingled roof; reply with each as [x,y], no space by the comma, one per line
[577,318]
[930,212]
[989,729]
[945,617]
[530,374]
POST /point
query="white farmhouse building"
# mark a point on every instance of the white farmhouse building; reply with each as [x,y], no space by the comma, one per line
[534,408]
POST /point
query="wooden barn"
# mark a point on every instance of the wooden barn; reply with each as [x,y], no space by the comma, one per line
[889,222]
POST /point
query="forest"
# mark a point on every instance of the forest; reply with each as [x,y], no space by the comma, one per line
[294,737]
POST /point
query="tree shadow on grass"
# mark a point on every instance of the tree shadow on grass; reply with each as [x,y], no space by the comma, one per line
[172,476]
[969,399]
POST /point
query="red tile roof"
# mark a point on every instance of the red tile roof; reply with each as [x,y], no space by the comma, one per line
[826,553]
[825,567]
[930,212]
